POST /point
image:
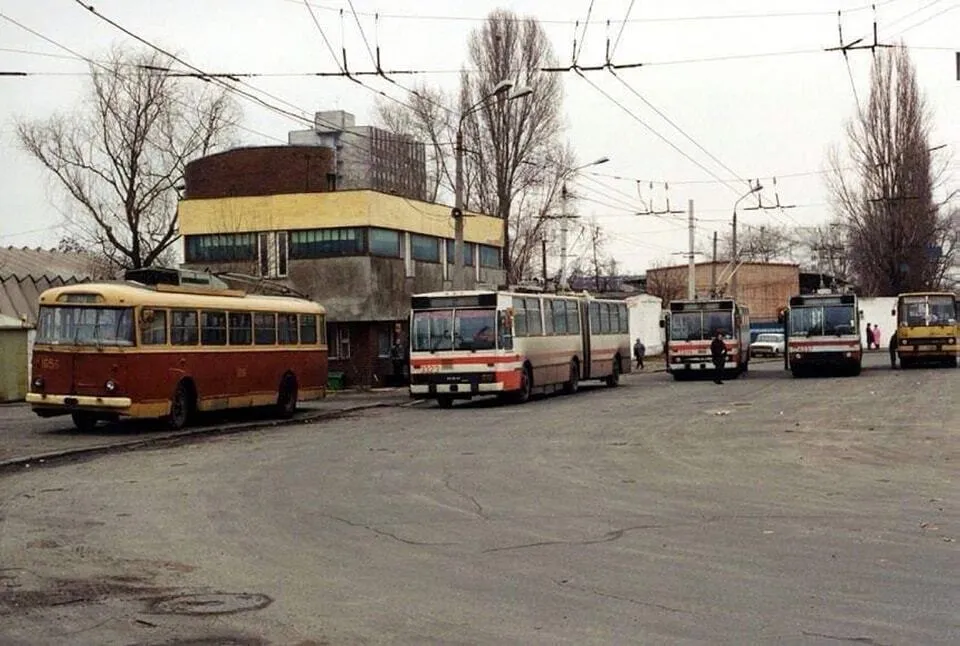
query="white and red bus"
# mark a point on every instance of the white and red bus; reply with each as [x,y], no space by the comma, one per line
[691,325]
[823,334]
[169,349]
[469,343]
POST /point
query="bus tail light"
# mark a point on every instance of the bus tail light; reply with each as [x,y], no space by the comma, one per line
[38,383]
[110,386]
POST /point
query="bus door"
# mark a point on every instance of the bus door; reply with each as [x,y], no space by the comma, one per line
[583,309]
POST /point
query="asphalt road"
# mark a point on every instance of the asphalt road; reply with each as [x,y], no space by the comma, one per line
[766,510]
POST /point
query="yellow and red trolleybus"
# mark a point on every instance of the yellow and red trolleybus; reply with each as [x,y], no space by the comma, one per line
[510,343]
[928,328]
[130,349]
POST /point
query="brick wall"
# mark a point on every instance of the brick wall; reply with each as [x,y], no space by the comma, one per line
[267,170]
[762,287]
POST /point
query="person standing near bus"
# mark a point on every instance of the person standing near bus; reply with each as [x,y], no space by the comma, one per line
[877,337]
[869,337]
[639,350]
[718,351]
[893,350]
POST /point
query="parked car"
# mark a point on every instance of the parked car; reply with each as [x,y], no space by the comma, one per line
[768,344]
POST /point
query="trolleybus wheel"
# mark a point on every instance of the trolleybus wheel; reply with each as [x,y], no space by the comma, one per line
[287,397]
[526,386]
[179,408]
[84,421]
[855,370]
[614,379]
[445,401]
[573,383]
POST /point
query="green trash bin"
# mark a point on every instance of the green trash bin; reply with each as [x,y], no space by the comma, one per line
[335,380]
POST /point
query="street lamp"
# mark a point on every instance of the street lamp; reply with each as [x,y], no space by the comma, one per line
[501,88]
[565,212]
[733,277]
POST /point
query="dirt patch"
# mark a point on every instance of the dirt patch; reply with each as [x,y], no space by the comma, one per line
[64,592]
[212,603]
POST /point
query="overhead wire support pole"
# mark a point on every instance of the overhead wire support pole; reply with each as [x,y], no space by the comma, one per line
[691,261]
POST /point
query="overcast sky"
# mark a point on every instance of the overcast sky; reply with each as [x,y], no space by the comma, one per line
[746,81]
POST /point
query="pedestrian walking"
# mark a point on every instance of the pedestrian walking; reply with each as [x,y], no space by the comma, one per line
[398,358]
[869,337]
[877,337]
[718,351]
[893,350]
[639,350]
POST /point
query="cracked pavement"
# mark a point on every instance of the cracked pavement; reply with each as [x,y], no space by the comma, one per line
[815,511]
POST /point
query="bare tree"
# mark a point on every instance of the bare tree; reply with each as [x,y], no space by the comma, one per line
[897,237]
[766,243]
[120,156]
[428,117]
[825,248]
[667,282]
[512,139]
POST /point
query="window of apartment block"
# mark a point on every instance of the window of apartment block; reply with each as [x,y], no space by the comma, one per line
[339,341]
[220,247]
[426,248]
[467,253]
[489,257]
[323,243]
[385,242]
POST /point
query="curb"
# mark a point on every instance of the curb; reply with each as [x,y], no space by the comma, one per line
[54,457]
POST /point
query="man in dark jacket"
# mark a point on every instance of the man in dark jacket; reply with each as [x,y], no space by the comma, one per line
[718,350]
[893,350]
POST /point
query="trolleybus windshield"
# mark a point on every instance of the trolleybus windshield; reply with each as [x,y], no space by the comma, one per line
[77,325]
[927,310]
[459,329]
[700,326]
[824,320]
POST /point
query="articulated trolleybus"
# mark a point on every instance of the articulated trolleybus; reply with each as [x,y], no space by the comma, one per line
[170,343]
[469,343]
[692,325]
[928,328]
[823,333]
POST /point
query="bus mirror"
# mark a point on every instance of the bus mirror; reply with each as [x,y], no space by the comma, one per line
[781,315]
[892,313]
[662,323]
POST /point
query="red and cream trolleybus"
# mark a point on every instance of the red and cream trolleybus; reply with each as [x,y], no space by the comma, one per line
[691,326]
[511,343]
[823,334]
[174,344]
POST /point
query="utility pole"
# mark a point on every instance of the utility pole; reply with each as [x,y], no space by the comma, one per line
[713,268]
[735,257]
[458,213]
[543,259]
[564,216]
[691,260]
[595,239]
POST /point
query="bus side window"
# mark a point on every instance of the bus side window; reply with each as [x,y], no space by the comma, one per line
[213,328]
[287,329]
[604,318]
[241,328]
[265,328]
[595,317]
[573,317]
[534,322]
[548,316]
[559,314]
[614,319]
[183,327]
[519,317]
[153,327]
[308,329]
[624,318]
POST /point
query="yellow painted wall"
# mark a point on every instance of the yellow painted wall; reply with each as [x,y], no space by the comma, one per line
[334,209]
[13,364]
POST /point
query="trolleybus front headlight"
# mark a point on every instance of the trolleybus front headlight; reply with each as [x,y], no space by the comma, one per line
[38,383]
[111,386]
[952,340]
[796,356]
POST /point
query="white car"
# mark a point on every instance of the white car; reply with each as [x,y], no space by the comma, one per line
[769,344]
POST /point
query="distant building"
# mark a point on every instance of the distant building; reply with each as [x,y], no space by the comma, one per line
[360,253]
[366,156]
[763,287]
